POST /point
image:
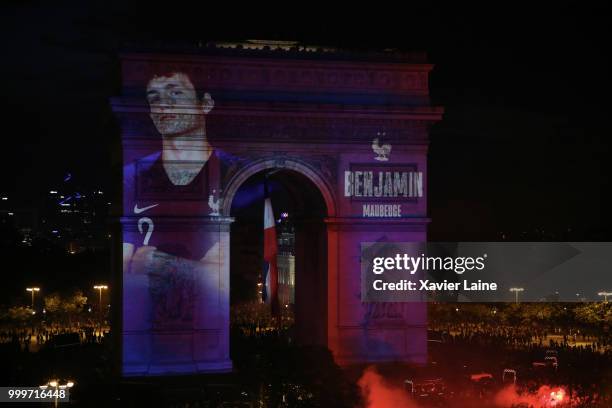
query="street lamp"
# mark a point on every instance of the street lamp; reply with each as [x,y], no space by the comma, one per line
[605,295]
[100,288]
[57,386]
[33,290]
[516,293]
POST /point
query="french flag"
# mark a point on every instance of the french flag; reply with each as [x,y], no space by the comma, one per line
[270,252]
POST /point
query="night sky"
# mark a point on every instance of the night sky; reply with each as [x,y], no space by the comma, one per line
[524,144]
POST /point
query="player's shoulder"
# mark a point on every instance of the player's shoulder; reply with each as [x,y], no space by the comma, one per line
[144,163]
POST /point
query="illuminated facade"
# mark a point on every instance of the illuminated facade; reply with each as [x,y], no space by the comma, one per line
[195,127]
[75,218]
[286,278]
[286,261]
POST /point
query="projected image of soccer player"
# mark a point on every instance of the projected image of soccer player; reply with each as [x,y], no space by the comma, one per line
[169,263]
[179,116]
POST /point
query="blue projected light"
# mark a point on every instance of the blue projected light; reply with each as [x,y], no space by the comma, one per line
[62,202]
[252,194]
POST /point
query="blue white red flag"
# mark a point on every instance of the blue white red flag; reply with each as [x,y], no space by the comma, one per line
[270,252]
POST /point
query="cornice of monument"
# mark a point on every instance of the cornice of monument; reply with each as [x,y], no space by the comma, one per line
[274,49]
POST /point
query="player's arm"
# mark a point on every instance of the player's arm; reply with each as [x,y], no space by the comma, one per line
[128,252]
[149,260]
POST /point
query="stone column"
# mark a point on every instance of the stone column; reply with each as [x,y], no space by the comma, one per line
[370,332]
[176,315]
[310,282]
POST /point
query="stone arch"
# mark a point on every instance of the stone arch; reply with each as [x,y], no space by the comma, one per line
[284,164]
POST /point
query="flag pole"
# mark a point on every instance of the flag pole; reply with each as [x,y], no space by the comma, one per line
[272,295]
[266,271]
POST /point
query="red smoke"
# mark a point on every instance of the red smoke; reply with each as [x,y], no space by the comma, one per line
[544,397]
[377,393]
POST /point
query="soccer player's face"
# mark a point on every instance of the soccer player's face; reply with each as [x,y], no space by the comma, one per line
[175,109]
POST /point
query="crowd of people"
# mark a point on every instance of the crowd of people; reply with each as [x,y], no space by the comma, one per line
[31,339]
[521,336]
[583,356]
[579,362]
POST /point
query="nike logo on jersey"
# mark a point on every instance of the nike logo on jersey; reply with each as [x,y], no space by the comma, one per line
[139,210]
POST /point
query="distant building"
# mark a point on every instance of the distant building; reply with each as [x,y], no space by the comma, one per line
[8,222]
[286,279]
[286,262]
[75,218]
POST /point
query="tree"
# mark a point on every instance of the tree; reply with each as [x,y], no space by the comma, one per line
[594,313]
[74,303]
[535,313]
[68,307]
[20,313]
[53,302]
[72,306]
[511,314]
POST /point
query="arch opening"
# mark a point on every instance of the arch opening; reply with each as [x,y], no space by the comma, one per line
[299,211]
